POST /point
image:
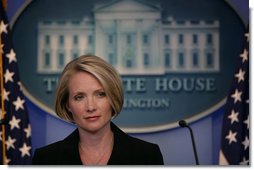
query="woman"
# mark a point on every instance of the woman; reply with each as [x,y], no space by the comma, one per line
[90,95]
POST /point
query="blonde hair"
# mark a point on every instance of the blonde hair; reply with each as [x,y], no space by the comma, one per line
[100,69]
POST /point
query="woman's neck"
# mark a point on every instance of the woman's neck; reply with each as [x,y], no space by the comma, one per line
[95,139]
[96,148]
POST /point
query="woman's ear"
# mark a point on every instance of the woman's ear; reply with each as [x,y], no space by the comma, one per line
[68,107]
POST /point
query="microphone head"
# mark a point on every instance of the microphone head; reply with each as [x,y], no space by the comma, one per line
[183,123]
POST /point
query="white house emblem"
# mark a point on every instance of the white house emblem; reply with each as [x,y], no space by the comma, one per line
[174,63]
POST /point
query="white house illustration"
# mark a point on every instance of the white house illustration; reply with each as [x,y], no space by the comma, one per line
[133,37]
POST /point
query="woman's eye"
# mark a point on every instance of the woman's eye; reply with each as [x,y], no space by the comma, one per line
[101,94]
[79,97]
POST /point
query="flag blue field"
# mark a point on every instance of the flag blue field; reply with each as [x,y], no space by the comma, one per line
[235,140]
[15,137]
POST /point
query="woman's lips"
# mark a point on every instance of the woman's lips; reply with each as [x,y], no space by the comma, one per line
[92,118]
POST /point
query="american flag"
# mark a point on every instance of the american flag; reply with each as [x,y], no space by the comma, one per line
[15,137]
[235,142]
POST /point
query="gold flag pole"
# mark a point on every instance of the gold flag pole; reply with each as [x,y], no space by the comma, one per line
[4,2]
[2,103]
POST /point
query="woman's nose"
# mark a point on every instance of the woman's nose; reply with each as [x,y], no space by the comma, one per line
[91,105]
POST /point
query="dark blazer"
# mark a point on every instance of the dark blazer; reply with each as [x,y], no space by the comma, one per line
[127,150]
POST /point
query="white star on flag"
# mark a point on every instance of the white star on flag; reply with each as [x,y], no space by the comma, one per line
[247,122]
[244,161]
[237,96]
[19,103]
[7,160]
[28,131]
[247,35]
[246,143]
[233,117]
[3,27]
[10,143]
[11,56]
[25,150]
[20,86]
[6,94]
[8,76]
[244,55]
[14,123]
[240,75]
[231,137]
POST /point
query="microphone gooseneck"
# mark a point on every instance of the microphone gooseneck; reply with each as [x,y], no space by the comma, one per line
[183,123]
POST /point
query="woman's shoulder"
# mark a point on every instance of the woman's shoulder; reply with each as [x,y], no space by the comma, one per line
[66,142]
[51,147]
[129,141]
[134,151]
[56,153]
[137,144]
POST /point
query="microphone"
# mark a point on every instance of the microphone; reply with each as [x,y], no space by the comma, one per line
[183,123]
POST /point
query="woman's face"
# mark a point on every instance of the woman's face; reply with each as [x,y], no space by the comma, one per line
[88,102]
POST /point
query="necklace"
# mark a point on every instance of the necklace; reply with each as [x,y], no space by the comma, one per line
[102,154]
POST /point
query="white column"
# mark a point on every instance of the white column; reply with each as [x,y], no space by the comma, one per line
[118,45]
[53,57]
[140,65]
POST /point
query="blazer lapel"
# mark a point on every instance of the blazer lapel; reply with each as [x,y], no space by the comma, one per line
[70,149]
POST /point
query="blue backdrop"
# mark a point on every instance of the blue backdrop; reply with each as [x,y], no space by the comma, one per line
[175,143]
